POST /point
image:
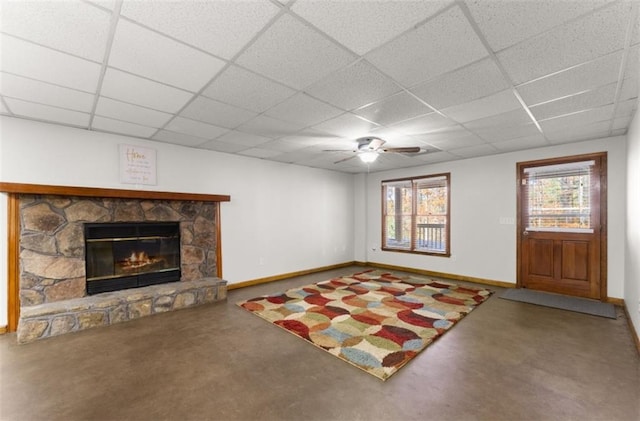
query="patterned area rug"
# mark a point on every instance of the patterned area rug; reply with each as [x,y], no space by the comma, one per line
[374,320]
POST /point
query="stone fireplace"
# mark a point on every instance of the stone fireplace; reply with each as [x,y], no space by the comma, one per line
[52,244]
[59,292]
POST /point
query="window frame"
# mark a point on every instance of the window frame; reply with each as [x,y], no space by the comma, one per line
[413,249]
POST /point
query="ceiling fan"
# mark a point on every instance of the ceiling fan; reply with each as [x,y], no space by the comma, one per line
[370,147]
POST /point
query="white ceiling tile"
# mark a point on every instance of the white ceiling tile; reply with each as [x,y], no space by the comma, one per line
[507,22]
[221,27]
[590,99]
[527,142]
[621,123]
[304,110]
[107,4]
[454,140]
[282,145]
[178,138]
[394,109]
[569,122]
[140,91]
[362,26]
[123,127]
[635,36]
[572,81]
[3,108]
[47,113]
[633,62]
[474,151]
[334,144]
[246,139]
[295,156]
[308,138]
[499,134]
[260,153]
[579,41]
[44,93]
[195,128]
[354,86]
[347,125]
[629,88]
[484,107]
[135,49]
[132,113]
[626,108]
[70,26]
[423,124]
[214,112]
[397,159]
[294,54]
[388,133]
[619,132]
[247,90]
[516,117]
[580,132]
[32,61]
[434,157]
[447,133]
[442,44]
[466,84]
[216,145]
[263,125]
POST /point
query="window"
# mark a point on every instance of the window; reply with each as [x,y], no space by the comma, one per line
[558,197]
[415,214]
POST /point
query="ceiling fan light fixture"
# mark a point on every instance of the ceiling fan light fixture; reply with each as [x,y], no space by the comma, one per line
[368,157]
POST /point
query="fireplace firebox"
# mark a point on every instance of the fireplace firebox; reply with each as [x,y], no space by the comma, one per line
[131,255]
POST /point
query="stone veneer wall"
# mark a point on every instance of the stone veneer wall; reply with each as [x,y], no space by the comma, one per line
[52,266]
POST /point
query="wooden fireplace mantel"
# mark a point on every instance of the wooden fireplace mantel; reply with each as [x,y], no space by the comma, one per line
[111,193]
[13,225]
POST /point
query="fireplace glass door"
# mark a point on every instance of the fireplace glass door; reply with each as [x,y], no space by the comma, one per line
[120,256]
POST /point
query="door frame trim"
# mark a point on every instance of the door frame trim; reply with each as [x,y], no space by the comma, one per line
[602,156]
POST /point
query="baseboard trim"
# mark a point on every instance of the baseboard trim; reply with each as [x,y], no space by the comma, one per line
[443,275]
[632,329]
[3,330]
[283,276]
[616,301]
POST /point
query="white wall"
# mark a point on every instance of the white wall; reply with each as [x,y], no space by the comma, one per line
[360,218]
[632,268]
[483,190]
[282,218]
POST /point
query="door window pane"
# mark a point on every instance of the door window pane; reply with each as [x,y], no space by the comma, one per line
[559,196]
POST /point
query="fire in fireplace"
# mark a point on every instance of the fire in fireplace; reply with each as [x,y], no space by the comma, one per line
[130,255]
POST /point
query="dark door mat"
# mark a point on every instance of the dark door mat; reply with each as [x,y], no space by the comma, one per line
[563,302]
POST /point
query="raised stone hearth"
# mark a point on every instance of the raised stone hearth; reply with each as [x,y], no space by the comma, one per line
[52,274]
[56,318]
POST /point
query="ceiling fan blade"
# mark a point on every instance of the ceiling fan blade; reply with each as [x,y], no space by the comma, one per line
[408,149]
[345,159]
[338,150]
[375,143]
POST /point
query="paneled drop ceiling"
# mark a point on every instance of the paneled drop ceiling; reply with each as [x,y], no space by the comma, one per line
[286,80]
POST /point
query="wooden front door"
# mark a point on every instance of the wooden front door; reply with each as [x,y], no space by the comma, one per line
[562,225]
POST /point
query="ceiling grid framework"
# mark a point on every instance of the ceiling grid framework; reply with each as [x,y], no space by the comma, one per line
[288,80]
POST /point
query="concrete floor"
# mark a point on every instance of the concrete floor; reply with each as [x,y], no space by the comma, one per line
[505,361]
